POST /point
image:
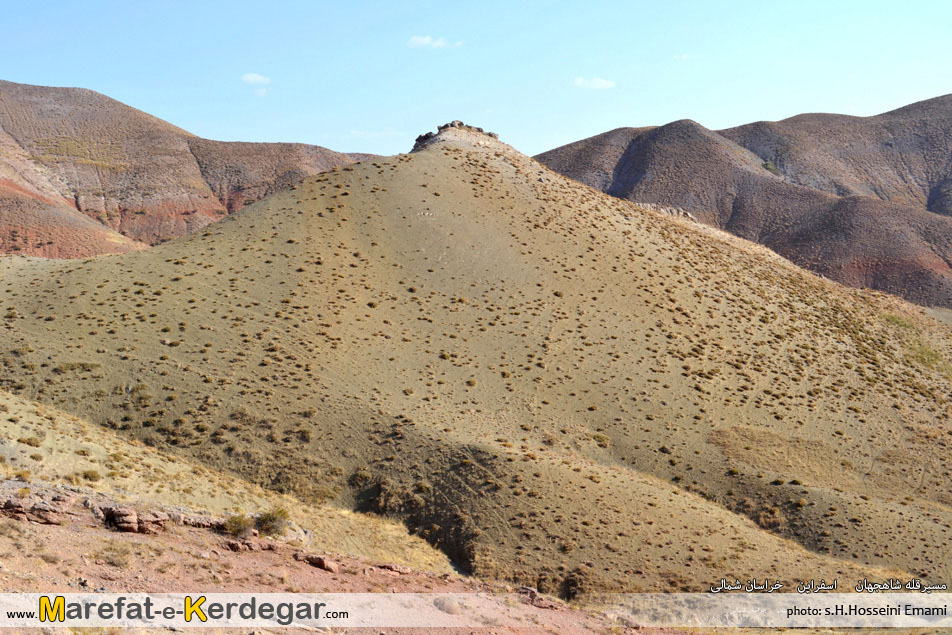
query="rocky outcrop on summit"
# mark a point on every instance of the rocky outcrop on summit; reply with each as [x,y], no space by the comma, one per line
[866,201]
[82,174]
[427,138]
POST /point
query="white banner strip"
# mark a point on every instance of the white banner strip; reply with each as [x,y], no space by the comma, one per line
[780,610]
[351,610]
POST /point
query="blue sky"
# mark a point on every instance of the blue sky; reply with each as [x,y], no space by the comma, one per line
[370,76]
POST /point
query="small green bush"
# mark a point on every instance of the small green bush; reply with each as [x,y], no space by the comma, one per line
[273,522]
[925,355]
[239,526]
[895,320]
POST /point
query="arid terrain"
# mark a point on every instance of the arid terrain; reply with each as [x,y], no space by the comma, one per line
[82,174]
[552,386]
[59,531]
[865,201]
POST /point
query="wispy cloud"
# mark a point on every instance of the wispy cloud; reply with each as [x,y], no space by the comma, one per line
[428,41]
[255,79]
[682,57]
[595,83]
[261,83]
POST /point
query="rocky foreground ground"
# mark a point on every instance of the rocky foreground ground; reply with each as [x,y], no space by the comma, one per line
[67,539]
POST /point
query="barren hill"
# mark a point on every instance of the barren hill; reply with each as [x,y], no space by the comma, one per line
[551,385]
[138,179]
[903,156]
[866,201]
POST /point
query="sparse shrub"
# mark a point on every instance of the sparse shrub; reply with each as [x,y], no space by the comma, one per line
[898,321]
[273,522]
[573,585]
[11,529]
[360,477]
[771,518]
[114,553]
[925,355]
[91,475]
[239,525]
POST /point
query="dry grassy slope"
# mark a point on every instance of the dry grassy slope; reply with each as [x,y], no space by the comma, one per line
[551,384]
[241,173]
[863,200]
[39,443]
[130,172]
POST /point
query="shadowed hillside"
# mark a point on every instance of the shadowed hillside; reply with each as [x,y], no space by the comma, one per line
[865,201]
[551,385]
[138,178]
[42,445]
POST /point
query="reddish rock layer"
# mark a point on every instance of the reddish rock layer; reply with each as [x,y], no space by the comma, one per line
[138,178]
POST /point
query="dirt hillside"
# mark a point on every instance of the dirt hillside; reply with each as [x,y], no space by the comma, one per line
[84,510]
[553,386]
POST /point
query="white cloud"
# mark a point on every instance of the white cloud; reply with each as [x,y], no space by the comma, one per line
[595,83]
[255,79]
[262,83]
[428,41]
[682,57]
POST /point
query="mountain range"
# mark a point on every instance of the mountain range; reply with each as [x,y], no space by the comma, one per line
[865,201]
[552,386]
